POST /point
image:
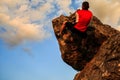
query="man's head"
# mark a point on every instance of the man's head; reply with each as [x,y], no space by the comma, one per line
[85,5]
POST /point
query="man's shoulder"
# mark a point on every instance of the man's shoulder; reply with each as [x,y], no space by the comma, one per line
[78,9]
[90,12]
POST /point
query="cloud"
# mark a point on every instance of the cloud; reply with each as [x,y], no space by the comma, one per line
[65,5]
[107,11]
[28,20]
[19,29]
[18,21]
[28,51]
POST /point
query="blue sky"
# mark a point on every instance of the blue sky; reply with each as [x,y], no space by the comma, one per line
[44,63]
[28,47]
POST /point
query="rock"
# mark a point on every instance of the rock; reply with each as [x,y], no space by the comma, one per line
[97,57]
[106,63]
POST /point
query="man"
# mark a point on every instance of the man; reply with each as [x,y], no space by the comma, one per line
[83,18]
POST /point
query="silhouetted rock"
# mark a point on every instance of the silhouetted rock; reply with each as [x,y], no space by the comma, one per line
[97,56]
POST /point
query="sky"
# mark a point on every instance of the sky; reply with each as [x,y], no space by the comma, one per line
[28,47]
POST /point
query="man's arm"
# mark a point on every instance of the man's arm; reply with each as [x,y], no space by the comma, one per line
[62,27]
[77,17]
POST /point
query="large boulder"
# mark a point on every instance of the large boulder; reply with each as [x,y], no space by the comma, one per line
[97,57]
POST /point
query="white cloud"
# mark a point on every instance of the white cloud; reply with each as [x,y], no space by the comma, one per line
[28,20]
[108,11]
[19,29]
[64,5]
[17,23]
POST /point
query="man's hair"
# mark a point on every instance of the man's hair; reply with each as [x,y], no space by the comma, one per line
[85,5]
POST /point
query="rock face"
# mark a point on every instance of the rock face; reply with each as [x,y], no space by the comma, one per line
[97,57]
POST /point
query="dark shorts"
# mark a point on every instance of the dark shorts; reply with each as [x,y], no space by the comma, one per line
[70,26]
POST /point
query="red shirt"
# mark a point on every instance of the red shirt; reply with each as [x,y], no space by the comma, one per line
[83,20]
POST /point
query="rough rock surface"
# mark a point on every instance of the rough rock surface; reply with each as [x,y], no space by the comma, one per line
[97,57]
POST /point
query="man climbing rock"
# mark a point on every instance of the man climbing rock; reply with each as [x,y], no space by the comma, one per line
[83,18]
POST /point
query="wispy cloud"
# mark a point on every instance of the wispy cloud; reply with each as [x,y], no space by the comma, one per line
[28,51]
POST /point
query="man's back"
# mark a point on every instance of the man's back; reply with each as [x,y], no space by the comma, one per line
[84,17]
